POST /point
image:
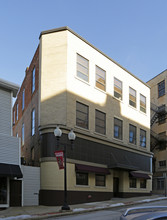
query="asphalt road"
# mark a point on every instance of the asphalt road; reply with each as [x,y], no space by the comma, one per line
[110,214]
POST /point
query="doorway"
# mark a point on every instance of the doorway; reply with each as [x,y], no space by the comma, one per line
[15,192]
[116,187]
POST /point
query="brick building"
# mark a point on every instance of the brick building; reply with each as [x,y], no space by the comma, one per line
[79,87]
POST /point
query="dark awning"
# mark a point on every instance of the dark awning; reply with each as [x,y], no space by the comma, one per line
[140,175]
[92,169]
[10,170]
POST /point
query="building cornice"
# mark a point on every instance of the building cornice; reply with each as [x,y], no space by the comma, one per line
[66,28]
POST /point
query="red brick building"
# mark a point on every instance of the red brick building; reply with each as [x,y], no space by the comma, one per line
[25,114]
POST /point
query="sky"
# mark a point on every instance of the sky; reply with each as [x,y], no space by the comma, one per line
[131,32]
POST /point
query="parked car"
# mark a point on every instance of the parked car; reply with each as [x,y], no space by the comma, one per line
[145,213]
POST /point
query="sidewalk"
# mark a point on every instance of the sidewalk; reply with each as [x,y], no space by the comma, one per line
[43,212]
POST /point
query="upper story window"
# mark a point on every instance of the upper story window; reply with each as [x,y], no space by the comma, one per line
[33,122]
[82,115]
[33,80]
[17,111]
[132,97]
[142,138]
[132,134]
[162,163]
[82,68]
[14,117]
[100,122]
[142,103]
[100,78]
[23,99]
[118,128]
[22,135]
[117,88]
[161,88]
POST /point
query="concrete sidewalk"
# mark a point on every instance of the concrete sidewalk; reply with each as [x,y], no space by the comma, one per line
[43,212]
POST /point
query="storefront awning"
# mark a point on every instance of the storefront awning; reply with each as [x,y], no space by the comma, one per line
[92,169]
[140,175]
[10,170]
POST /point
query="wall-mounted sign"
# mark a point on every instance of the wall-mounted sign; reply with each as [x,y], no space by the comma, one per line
[60,158]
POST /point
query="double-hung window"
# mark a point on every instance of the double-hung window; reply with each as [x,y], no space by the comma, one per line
[33,80]
[142,138]
[100,122]
[17,111]
[14,117]
[100,78]
[22,136]
[81,178]
[132,97]
[82,115]
[23,99]
[100,180]
[132,134]
[117,88]
[33,122]
[142,103]
[82,68]
[118,128]
[161,88]
[132,182]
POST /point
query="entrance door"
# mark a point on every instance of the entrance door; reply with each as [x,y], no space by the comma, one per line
[15,193]
[116,187]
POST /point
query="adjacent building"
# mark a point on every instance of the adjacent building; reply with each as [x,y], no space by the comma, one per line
[158,87]
[72,84]
[10,172]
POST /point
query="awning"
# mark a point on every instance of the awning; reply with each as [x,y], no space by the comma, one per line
[91,169]
[10,170]
[140,175]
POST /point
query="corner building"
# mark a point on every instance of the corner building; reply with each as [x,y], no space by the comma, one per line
[109,110]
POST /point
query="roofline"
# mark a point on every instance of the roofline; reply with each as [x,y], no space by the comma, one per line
[9,86]
[157,75]
[66,28]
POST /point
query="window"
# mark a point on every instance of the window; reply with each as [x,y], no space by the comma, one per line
[17,135]
[143,183]
[33,122]
[132,182]
[142,138]
[100,180]
[160,184]
[17,111]
[117,88]
[162,163]
[82,115]
[14,117]
[132,97]
[22,132]
[23,99]
[82,68]
[82,178]
[118,128]
[32,153]
[132,134]
[100,122]
[100,78]
[33,80]
[142,103]
[161,88]
[161,114]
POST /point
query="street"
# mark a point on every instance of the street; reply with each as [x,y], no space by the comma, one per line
[109,214]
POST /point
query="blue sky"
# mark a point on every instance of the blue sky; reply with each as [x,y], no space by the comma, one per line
[131,32]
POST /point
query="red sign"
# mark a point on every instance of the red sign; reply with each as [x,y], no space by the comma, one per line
[60,158]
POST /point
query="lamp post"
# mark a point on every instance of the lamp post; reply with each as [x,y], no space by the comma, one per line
[71,137]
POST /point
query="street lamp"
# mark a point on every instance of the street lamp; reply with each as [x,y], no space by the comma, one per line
[71,137]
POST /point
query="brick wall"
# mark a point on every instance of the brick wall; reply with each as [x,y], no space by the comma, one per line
[24,116]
